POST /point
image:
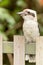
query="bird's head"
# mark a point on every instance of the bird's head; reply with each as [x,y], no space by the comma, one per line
[28,14]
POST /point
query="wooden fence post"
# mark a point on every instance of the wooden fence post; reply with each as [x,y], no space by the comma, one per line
[39,51]
[19,50]
[1,63]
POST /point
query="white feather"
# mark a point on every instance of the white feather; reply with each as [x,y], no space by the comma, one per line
[31,30]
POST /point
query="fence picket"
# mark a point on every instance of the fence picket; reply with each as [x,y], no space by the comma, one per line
[19,50]
[39,51]
[1,60]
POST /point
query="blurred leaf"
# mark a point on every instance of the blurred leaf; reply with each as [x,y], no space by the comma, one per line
[4,15]
[1,27]
[41,29]
[40,21]
[15,15]
[11,32]
[40,18]
[20,32]
[21,3]
[3,35]
[4,3]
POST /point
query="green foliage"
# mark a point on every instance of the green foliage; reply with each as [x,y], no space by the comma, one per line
[4,36]
[15,15]
[40,20]
[7,22]
[9,17]
[4,3]
[21,3]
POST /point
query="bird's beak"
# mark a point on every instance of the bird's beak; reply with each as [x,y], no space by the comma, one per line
[20,13]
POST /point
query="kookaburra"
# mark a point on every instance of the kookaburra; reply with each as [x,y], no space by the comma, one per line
[30,26]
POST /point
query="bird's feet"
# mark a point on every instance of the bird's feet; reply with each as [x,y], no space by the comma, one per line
[28,42]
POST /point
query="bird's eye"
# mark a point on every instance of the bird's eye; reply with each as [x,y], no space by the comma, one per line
[28,12]
[32,14]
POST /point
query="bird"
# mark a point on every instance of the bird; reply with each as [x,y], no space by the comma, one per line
[30,26]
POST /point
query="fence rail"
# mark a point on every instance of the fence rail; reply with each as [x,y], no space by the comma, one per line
[8,47]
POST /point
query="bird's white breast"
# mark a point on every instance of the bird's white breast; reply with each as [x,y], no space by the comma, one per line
[30,29]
